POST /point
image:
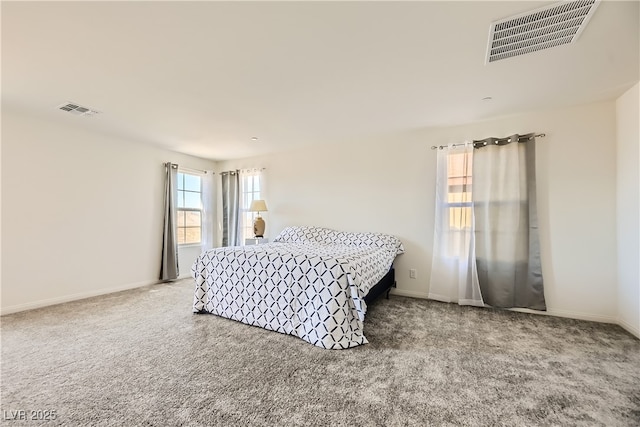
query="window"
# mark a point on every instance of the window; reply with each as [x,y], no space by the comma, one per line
[459,202]
[458,207]
[189,209]
[250,190]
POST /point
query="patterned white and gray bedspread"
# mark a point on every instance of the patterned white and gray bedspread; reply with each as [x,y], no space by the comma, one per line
[310,283]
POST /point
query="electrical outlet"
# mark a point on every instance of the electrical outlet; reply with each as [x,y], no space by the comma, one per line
[413,273]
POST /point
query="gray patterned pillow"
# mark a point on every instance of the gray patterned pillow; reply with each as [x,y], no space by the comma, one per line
[380,240]
[302,234]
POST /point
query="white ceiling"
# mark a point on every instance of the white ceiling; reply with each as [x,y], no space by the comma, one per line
[204,77]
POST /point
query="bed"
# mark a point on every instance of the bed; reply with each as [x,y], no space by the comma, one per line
[310,282]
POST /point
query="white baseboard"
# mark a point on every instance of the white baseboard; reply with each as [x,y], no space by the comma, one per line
[441,298]
[633,330]
[403,293]
[73,297]
[550,312]
[570,315]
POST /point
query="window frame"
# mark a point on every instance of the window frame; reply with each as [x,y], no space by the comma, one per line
[457,225]
[246,197]
[467,179]
[188,209]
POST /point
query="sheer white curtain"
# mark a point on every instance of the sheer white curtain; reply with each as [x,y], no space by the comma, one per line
[454,277]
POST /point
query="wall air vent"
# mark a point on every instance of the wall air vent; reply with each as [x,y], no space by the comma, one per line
[77,110]
[550,26]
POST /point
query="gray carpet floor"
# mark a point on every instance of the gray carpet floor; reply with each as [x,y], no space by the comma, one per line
[141,357]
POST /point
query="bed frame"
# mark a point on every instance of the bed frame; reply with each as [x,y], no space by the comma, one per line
[384,285]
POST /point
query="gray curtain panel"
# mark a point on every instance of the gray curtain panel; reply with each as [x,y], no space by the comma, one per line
[169,269]
[230,208]
[506,222]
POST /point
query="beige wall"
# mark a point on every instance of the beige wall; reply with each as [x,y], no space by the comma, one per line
[71,228]
[81,212]
[387,185]
[628,205]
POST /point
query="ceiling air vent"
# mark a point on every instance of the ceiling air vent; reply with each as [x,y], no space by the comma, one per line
[77,110]
[550,26]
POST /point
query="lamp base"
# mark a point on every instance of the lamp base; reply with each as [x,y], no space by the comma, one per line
[258,227]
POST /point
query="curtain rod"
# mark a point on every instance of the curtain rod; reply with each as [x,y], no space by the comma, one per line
[175,166]
[440,147]
[233,172]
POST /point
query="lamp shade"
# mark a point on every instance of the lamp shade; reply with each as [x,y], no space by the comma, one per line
[258,206]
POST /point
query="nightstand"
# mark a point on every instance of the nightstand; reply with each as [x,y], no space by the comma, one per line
[256,241]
